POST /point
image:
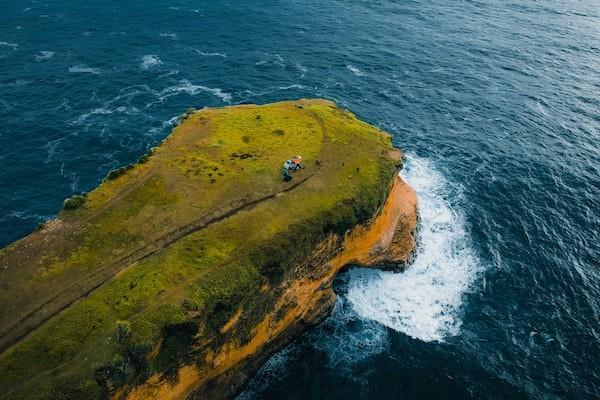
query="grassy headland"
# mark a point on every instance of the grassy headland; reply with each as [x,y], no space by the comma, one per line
[186,250]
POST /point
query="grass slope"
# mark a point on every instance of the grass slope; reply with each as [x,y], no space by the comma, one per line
[163,254]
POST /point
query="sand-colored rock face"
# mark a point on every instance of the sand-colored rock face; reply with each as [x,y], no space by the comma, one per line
[388,240]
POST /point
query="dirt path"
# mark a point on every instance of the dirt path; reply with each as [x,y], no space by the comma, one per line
[83,287]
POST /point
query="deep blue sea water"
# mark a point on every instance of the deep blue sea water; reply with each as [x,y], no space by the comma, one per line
[496,103]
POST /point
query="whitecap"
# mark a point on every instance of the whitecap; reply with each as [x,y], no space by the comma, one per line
[260,62]
[355,70]
[12,45]
[189,88]
[150,60]
[424,302]
[202,53]
[302,69]
[84,69]
[279,60]
[294,86]
[169,35]
[44,55]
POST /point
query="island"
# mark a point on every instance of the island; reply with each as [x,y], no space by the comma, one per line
[181,274]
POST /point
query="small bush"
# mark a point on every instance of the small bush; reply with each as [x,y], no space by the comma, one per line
[123,332]
[246,139]
[74,202]
[278,132]
[115,173]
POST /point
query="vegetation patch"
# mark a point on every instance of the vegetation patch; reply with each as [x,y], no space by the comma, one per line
[74,202]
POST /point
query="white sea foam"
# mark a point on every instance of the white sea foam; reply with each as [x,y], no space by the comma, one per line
[186,86]
[294,86]
[169,35]
[425,301]
[82,69]
[347,338]
[12,45]
[302,69]
[202,53]
[279,60]
[355,70]
[150,60]
[44,55]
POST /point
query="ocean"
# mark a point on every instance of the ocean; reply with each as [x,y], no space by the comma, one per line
[495,103]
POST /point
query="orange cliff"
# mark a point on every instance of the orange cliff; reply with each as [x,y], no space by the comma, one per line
[388,240]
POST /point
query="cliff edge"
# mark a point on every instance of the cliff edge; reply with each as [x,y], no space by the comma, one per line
[179,275]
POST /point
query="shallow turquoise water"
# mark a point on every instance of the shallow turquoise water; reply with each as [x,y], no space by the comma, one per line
[496,104]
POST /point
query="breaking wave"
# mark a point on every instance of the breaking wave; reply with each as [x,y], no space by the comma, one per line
[424,302]
[14,46]
[82,69]
[202,53]
[186,86]
[44,55]
[150,60]
[355,70]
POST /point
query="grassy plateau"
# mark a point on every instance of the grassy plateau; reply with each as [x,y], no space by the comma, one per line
[133,278]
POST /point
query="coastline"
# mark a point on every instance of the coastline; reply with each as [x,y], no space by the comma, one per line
[388,239]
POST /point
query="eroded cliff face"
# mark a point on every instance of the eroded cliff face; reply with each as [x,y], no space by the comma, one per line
[219,370]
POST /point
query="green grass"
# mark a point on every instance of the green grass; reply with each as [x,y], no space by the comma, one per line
[215,160]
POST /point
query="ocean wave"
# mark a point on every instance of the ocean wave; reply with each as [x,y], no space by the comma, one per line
[44,55]
[269,373]
[202,53]
[186,86]
[82,69]
[355,70]
[169,35]
[14,46]
[425,301]
[150,60]
[103,111]
[294,86]
[302,69]
[346,337]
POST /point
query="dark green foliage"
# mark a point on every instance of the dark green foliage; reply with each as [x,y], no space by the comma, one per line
[177,340]
[74,202]
[115,173]
[278,132]
[123,332]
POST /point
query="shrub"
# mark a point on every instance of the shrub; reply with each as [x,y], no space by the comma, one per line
[123,332]
[115,173]
[74,202]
